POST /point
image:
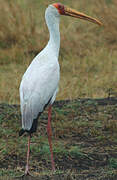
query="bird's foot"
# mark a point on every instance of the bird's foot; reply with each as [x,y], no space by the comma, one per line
[27,173]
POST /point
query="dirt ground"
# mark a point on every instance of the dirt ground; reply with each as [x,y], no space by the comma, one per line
[84,142]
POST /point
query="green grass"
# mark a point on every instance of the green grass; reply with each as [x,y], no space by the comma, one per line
[87,56]
[84,141]
[113,163]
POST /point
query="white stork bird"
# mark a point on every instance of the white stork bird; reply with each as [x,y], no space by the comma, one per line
[39,84]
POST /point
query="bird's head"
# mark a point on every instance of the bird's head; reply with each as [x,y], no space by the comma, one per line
[60,7]
[63,10]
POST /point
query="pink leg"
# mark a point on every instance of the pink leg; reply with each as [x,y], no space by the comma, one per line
[49,132]
[28,155]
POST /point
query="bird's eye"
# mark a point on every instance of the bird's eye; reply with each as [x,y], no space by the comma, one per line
[60,7]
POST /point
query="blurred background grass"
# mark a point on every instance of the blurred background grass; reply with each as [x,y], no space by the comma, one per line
[88,54]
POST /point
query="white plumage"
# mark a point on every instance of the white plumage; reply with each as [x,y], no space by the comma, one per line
[40,81]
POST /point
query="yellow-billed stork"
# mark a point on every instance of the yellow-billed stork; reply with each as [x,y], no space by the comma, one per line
[40,82]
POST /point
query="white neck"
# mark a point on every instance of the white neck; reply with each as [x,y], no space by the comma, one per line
[53,27]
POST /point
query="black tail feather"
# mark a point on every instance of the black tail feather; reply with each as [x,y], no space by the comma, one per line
[34,124]
[33,128]
[21,132]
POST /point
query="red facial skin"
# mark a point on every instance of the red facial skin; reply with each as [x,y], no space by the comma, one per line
[60,7]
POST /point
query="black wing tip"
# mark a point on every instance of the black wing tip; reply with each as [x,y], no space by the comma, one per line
[21,132]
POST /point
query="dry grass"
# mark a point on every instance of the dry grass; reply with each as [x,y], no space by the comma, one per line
[88,52]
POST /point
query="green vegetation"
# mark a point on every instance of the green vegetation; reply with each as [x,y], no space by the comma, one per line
[88,53]
[113,163]
[84,141]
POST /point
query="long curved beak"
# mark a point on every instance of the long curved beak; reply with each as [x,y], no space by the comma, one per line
[71,12]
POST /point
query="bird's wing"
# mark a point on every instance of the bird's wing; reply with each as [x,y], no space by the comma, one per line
[38,86]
